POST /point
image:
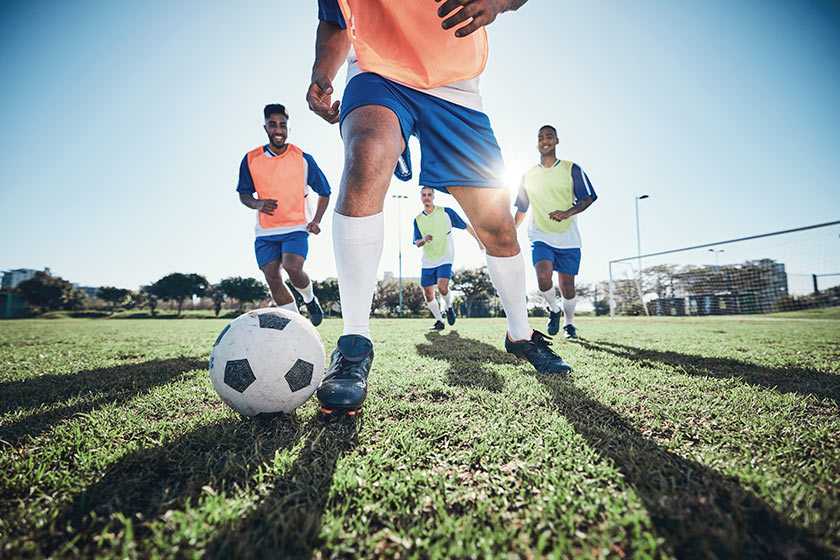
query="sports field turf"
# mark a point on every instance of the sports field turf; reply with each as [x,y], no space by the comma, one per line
[672,437]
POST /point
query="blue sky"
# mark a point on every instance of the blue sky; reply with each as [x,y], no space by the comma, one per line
[124,125]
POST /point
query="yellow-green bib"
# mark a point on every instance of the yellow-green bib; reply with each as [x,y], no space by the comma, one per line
[433,224]
[549,190]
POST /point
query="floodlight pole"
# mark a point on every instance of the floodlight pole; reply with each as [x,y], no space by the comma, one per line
[399,244]
[639,251]
[717,252]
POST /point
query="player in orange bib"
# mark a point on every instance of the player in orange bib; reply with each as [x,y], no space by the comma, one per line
[413,69]
[284,178]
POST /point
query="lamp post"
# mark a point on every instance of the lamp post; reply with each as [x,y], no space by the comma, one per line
[399,243]
[717,252]
[638,235]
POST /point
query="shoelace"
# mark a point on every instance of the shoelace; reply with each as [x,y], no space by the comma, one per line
[543,343]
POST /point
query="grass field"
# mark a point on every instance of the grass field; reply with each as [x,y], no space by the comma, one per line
[672,437]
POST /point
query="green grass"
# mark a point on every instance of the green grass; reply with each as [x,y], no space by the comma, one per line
[672,437]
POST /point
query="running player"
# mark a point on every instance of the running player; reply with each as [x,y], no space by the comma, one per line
[283,176]
[413,70]
[557,191]
[433,232]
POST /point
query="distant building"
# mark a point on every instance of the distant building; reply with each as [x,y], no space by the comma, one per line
[11,278]
[91,291]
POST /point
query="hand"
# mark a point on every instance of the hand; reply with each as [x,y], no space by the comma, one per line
[313,228]
[266,206]
[319,97]
[559,215]
[428,238]
[482,12]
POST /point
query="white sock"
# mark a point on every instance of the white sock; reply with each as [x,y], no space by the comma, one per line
[569,310]
[435,309]
[291,306]
[306,292]
[550,296]
[357,243]
[447,299]
[508,276]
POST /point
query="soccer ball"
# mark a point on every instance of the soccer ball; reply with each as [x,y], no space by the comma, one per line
[267,361]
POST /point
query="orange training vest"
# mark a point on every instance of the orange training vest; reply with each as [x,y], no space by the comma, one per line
[402,40]
[281,178]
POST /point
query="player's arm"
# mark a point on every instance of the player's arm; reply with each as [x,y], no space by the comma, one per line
[584,195]
[315,225]
[317,181]
[419,240]
[331,47]
[482,12]
[521,204]
[246,191]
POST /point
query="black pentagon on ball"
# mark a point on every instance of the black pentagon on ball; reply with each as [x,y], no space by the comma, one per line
[299,375]
[238,375]
[272,321]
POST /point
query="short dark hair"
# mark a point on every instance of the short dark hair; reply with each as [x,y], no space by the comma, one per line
[554,130]
[275,109]
[425,187]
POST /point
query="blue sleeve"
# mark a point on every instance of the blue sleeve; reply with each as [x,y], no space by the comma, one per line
[246,182]
[582,186]
[315,178]
[522,203]
[329,11]
[457,222]
[417,236]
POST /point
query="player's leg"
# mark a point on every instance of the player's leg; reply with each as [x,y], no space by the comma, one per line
[544,265]
[274,277]
[443,288]
[427,282]
[567,290]
[373,142]
[293,265]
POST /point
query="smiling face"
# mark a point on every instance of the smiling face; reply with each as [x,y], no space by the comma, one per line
[547,141]
[277,128]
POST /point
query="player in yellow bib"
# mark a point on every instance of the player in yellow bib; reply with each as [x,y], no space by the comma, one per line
[556,190]
[433,232]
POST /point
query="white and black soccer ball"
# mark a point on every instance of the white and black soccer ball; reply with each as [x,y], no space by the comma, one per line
[267,361]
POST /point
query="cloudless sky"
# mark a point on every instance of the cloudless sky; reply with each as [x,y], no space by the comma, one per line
[123,125]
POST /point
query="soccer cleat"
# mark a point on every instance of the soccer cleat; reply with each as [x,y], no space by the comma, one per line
[344,387]
[536,350]
[438,326]
[553,322]
[450,316]
[569,331]
[316,314]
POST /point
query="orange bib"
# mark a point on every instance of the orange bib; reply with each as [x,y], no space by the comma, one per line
[402,40]
[281,178]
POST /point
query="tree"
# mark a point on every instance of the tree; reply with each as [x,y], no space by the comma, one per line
[47,292]
[245,290]
[136,300]
[327,292]
[178,287]
[474,283]
[217,295]
[115,296]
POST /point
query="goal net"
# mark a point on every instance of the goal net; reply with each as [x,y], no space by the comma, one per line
[775,272]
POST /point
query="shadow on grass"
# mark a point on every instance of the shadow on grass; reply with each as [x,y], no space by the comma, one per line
[286,523]
[468,360]
[802,381]
[86,390]
[699,512]
[145,484]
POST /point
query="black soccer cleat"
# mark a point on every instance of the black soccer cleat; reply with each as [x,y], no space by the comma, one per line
[553,322]
[438,326]
[536,350]
[450,316]
[569,331]
[316,314]
[344,387]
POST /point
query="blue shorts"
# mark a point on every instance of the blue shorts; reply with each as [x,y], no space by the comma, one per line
[429,276]
[272,247]
[458,146]
[565,261]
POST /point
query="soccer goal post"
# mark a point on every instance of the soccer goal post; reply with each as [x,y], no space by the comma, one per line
[771,272]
